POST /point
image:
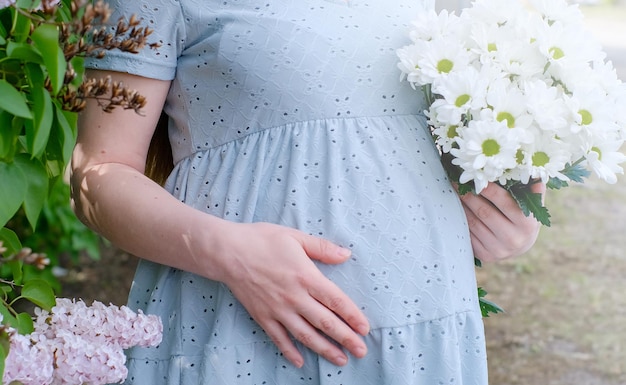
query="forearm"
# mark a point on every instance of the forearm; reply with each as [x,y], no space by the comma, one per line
[142,218]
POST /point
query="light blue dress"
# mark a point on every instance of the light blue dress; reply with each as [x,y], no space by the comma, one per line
[293,112]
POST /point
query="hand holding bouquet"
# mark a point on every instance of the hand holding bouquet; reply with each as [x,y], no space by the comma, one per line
[518,92]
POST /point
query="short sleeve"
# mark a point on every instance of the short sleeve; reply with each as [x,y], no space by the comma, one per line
[164,17]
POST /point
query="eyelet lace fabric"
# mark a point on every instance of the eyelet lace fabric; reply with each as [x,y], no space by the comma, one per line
[293,112]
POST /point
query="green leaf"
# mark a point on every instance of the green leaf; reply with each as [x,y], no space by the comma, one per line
[24,323]
[487,307]
[37,190]
[21,26]
[12,191]
[10,240]
[17,271]
[576,172]
[13,101]
[5,290]
[8,135]
[4,350]
[38,133]
[40,293]
[63,135]
[24,51]
[530,203]
[46,39]
[7,317]
[35,75]
[556,184]
[69,123]
[78,63]
[27,4]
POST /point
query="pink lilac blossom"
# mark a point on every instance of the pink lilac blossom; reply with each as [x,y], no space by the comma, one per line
[112,324]
[76,344]
[81,361]
[28,362]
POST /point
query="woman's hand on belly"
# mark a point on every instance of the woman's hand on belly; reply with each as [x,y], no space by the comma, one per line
[269,269]
[498,227]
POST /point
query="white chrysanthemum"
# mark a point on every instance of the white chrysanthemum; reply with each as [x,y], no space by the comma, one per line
[619,101]
[544,158]
[486,150]
[494,11]
[604,159]
[558,10]
[429,25]
[442,57]
[463,91]
[446,136]
[485,39]
[442,113]
[552,98]
[603,74]
[567,48]
[409,57]
[521,61]
[507,104]
[592,108]
[546,105]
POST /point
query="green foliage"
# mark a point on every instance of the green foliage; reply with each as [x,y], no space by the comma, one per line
[530,202]
[34,142]
[42,47]
[487,307]
[37,134]
[58,234]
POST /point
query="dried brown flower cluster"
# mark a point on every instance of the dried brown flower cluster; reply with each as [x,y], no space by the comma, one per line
[90,35]
[26,255]
[110,94]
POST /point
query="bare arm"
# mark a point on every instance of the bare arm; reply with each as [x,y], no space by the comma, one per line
[271,273]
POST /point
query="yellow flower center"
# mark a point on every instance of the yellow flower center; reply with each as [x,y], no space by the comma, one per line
[461,100]
[540,159]
[596,149]
[557,53]
[444,66]
[452,133]
[587,117]
[491,147]
[510,119]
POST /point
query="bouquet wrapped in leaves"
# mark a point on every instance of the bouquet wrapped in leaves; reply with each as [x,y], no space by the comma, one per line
[518,92]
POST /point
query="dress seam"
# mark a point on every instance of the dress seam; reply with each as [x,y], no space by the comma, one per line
[464,312]
[293,123]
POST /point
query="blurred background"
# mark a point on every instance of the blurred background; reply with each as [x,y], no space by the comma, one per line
[565,300]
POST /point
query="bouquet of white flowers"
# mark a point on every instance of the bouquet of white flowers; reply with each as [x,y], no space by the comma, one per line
[518,92]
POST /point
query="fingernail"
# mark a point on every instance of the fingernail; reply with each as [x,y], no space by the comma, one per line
[360,352]
[343,252]
[341,360]
[363,329]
